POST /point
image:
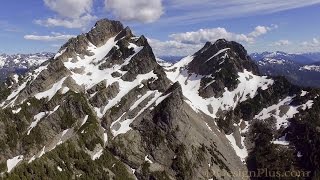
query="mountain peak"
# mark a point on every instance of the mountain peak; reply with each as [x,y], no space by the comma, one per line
[219,65]
[213,55]
[103,30]
[107,25]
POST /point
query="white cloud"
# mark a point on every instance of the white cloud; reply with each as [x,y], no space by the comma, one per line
[311,45]
[136,10]
[71,13]
[204,35]
[315,41]
[189,42]
[80,22]
[261,30]
[53,37]
[208,10]
[175,48]
[281,43]
[70,8]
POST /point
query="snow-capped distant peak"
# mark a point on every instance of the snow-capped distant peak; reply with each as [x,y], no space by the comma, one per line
[23,61]
[310,68]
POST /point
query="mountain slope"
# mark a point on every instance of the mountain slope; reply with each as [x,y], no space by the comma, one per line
[103,108]
[251,106]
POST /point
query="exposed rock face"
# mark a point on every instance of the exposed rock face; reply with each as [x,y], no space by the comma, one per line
[177,142]
[104,108]
[105,29]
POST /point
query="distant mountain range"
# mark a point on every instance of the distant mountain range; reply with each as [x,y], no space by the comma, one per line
[20,63]
[300,69]
[302,58]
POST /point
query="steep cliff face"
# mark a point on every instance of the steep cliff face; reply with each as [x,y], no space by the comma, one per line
[103,107]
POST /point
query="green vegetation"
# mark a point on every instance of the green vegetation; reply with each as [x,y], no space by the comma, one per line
[181,165]
[4,91]
[12,136]
[303,133]
[3,167]
[306,138]
[35,138]
[74,163]
[267,155]
[159,175]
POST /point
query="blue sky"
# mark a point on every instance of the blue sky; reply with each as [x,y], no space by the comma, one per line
[178,27]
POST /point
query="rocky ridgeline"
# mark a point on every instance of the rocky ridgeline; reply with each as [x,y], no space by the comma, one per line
[103,107]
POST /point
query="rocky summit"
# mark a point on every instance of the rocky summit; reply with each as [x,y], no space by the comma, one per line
[104,108]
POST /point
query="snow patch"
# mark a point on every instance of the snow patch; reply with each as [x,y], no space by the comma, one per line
[52,91]
[60,53]
[281,141]
[303,93]
[39,116]
[310,68]
[11,163]
[190,83]
[146,158]
[84,120]
[219,52]
[208,126]
[307,105]
[16,111]
[282,118]
[97,155]
[161,98]
[59,168]
[64,90]
[125,124]
[62,136]
[241,152]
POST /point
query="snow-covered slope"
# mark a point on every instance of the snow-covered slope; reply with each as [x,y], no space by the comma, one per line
[191,84]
